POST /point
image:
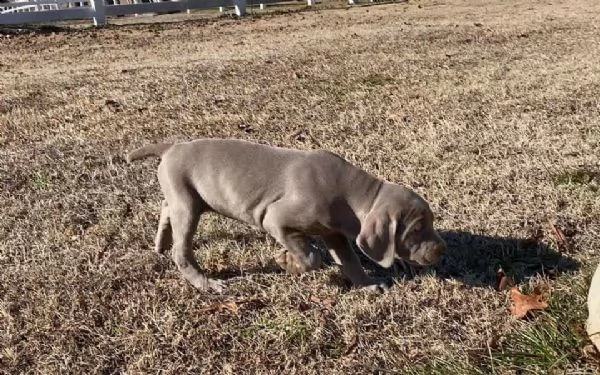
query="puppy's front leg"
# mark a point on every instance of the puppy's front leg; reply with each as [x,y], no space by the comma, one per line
[344,255]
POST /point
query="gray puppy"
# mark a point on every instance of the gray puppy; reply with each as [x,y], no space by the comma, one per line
[291,194]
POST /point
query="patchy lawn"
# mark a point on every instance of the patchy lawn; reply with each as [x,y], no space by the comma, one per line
[490,109]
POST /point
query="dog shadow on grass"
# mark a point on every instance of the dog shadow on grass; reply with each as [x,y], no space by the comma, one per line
[471,259]
[476,259]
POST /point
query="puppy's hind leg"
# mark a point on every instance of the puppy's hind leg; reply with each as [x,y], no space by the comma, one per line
[184,216]
[164,234]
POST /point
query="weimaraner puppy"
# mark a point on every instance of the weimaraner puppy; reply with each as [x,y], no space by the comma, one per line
[291,194]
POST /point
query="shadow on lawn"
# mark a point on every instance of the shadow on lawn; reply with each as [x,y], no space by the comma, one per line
[472,259]
[475,259]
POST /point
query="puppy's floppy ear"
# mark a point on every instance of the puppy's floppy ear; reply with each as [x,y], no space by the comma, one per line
[377,238]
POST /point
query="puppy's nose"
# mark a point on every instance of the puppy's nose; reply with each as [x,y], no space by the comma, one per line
[441,248]
[438,249]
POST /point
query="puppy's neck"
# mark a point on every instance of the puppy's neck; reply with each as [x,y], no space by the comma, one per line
[365,198]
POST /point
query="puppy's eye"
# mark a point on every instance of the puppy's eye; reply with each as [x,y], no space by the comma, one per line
[417,227]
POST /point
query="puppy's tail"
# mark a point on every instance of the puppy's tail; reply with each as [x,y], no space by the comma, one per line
[150,150]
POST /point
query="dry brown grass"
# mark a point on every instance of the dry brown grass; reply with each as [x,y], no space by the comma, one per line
[490,109]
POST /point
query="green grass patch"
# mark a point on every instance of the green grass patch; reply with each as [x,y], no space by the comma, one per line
[553,341]
[288,330]
[578,177]
[376,79]
[40,181]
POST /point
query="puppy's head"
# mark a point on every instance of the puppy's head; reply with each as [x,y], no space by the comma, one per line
[400,225]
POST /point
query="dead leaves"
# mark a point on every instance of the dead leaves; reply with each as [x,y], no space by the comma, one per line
[522,303]
[233,307]
[113,105]
[504,281]
[302,135]
[327,302]
[559,235]
[221,306]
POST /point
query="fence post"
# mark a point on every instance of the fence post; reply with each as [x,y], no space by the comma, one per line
[240,7]
[262,6]
[98,12]
[310,2]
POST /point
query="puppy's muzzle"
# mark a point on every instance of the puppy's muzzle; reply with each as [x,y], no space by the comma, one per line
[430,252]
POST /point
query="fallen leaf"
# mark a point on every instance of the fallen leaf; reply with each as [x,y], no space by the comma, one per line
[113,105]
[301,135]
[561,240]
[522,303]
[504,281]
[220,306]
[326,302]
[297,75]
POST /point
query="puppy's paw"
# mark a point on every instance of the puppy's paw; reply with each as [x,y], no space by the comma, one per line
[289,262]
[286,260]
[205,284]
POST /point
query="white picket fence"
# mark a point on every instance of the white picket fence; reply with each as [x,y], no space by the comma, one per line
[34,11]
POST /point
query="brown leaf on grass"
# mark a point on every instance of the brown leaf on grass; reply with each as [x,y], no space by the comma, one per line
[327,302]
[522,303]
[301,135]
[113,105]
[504,281]
[561,239]
[220,306]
